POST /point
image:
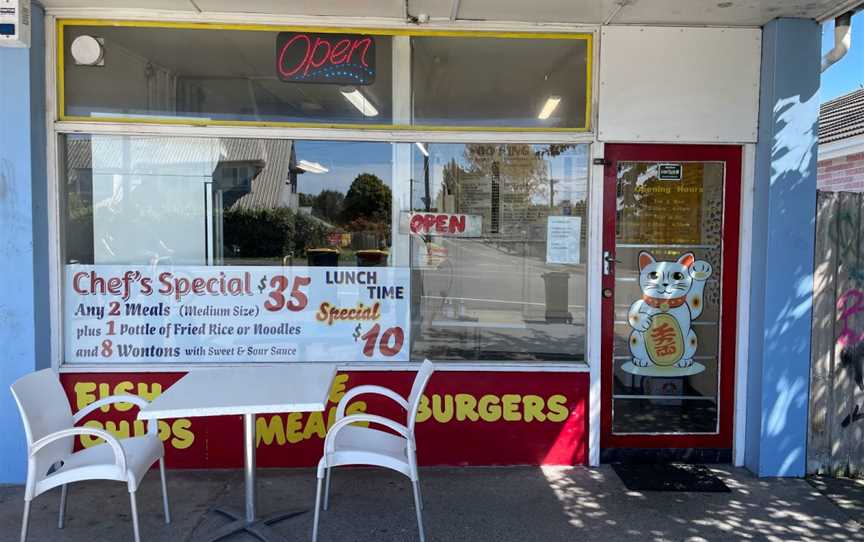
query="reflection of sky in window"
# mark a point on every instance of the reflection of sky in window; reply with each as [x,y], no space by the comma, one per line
[345,160]
[569,170]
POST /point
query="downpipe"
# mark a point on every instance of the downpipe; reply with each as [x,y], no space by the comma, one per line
[842,40]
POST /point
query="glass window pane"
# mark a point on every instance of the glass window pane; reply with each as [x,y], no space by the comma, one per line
[530,83]
[237,201]
[216,75]
[667,297]
[498,242]
[183,249]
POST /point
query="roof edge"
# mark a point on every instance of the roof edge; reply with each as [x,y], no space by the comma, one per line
[848,5]
[840,148]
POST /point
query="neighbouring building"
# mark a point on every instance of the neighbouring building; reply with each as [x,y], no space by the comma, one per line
[841,144]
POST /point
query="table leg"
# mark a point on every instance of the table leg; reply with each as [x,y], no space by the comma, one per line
[259,528]
[249,465]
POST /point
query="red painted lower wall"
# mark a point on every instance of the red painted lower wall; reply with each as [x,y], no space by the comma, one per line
[465,418]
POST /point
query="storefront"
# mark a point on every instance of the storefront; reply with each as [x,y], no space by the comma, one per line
[561,216]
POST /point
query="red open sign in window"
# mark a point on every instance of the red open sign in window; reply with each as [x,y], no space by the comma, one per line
[339,59]
[443,224]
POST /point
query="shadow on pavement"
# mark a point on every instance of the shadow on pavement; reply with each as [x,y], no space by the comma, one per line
[462,504]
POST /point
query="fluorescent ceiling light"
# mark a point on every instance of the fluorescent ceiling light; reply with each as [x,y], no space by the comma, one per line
[359,101]
[549,107]
[422,148]
[311,167]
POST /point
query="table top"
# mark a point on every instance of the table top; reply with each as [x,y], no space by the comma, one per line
[300,387]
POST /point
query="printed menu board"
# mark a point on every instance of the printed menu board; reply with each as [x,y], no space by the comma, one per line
[184,314]
[665,210]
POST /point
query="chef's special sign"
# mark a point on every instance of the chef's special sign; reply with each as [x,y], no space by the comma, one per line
[189,314]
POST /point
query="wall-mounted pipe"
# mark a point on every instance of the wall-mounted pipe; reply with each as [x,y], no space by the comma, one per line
[842,40]
[617,9]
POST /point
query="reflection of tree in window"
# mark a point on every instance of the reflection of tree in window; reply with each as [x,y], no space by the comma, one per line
[327,205]
[255,183]
[366,211]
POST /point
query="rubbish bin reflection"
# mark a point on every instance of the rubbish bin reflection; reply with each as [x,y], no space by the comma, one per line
[322,257]
[372,258]
[557,293]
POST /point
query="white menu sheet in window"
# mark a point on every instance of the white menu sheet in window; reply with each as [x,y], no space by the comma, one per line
[563,239]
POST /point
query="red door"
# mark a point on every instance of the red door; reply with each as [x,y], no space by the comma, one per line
[670,242]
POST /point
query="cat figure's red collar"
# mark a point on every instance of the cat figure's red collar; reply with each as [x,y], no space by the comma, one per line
[663,304]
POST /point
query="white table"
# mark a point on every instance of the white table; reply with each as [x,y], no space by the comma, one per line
[247,391]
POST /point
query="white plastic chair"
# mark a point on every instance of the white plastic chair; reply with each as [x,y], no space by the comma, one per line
[50,429]
[348,444]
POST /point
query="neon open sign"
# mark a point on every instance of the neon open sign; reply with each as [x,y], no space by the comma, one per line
[339,59]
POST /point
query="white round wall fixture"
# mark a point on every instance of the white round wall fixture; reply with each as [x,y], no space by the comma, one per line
[87,51]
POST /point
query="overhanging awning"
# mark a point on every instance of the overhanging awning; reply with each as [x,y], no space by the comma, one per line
[641,12]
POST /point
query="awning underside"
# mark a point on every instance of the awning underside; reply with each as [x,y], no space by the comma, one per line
[643,12]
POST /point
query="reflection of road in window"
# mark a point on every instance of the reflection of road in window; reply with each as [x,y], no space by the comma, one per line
[493,296]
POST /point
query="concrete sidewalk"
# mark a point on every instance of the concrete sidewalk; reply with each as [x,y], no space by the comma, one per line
[462,504]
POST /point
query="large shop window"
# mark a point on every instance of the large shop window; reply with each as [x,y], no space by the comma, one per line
[211,75]
[184,250]
[533,83]
[508,281]
[226,75]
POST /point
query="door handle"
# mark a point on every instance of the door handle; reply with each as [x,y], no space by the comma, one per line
[608,260]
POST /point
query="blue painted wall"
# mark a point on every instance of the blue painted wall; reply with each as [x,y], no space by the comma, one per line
[783,242]
[23,235]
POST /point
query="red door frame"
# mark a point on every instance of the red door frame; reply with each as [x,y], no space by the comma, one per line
[732,156]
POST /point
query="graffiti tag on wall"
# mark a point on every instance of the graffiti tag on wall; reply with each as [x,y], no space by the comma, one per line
[851,343]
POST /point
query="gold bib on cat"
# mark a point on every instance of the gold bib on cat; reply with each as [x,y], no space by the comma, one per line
[664,340]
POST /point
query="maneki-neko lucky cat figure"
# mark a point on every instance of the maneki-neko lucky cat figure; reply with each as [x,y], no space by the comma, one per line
[672,296]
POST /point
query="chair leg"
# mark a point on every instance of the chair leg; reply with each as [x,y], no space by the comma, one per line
[327,489]
[134,504]
[317,511]
[418,506]
[417,476]
[164,491]
[61,521]
[25,523]
[420,495]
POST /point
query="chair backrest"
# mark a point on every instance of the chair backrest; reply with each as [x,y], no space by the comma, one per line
[44,410]
[424,373]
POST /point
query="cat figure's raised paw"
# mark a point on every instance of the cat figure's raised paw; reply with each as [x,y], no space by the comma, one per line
[700,270]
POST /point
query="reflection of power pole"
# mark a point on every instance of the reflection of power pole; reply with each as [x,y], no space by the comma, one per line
[428,199]
[552,192]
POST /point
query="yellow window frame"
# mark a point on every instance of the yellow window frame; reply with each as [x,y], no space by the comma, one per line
[61,96]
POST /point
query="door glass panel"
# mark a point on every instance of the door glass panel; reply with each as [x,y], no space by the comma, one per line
[666,351]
